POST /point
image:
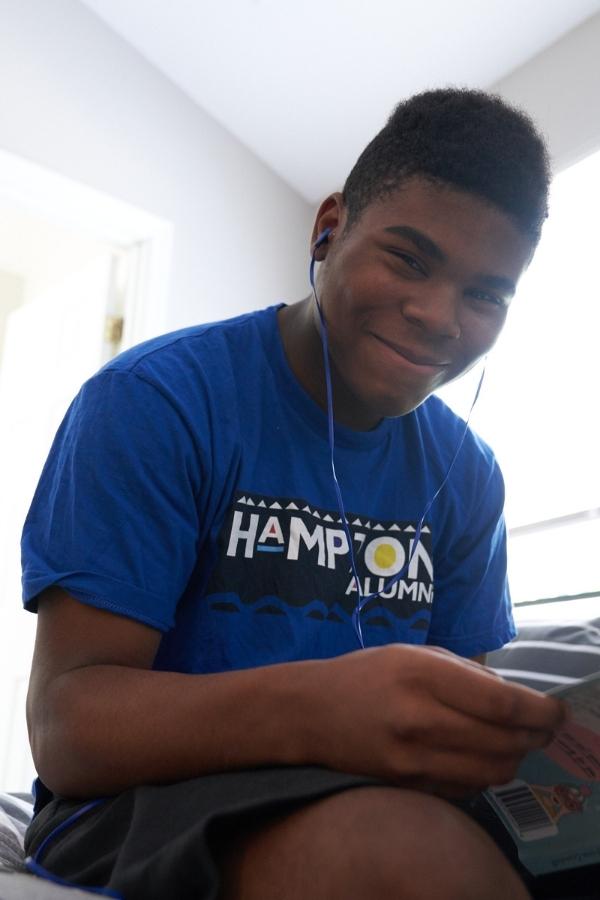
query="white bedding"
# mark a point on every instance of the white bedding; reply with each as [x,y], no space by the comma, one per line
[22,886]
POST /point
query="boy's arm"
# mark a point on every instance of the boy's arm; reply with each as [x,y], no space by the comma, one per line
[101,721]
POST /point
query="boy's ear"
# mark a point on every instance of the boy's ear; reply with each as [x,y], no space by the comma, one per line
[329,219]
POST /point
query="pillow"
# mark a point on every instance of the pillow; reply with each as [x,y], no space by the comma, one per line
[546,655]
[15,814]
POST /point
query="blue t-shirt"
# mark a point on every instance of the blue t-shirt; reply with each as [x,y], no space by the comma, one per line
[189,487]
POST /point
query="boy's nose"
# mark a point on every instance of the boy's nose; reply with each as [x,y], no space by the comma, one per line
[435,312]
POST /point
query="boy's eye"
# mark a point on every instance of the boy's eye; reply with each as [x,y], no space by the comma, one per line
[409,260]
[487,297]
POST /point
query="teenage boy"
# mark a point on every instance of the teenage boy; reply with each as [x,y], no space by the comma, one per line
[201,553]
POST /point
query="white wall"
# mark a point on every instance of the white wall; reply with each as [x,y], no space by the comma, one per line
[78,99]
[560,88]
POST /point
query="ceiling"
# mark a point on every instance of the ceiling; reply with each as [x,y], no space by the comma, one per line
[305,85]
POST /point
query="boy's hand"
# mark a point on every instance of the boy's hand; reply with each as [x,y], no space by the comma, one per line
[424,716]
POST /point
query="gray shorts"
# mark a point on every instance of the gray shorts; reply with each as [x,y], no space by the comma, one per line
[160,842]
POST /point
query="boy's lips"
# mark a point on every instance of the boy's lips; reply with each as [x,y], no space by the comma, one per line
[415,357]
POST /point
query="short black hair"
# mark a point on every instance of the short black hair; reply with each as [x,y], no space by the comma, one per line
[469,139]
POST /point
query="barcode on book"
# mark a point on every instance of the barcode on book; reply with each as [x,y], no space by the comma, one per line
[524,812]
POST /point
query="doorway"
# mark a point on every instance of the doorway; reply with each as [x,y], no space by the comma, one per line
[82,277]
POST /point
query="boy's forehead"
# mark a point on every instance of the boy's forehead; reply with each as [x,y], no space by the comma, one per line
[420,196]
[437,216]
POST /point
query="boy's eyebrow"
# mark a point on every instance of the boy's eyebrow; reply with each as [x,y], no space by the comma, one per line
[498,283]
[426,245]
[420,240]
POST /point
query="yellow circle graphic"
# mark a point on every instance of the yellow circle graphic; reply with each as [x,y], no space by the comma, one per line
[385,556]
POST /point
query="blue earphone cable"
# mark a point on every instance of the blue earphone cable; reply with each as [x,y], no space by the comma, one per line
[364,599]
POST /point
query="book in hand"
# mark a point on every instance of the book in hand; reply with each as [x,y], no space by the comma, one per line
[552,807]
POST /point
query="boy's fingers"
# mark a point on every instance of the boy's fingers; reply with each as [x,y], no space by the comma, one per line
[457,732]
[494,700]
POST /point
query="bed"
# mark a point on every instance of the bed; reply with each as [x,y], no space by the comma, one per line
[543,656]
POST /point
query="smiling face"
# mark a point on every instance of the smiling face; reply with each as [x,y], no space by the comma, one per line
[414,293]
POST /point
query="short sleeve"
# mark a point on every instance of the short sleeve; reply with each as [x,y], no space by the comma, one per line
[472,611]
[114,520]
